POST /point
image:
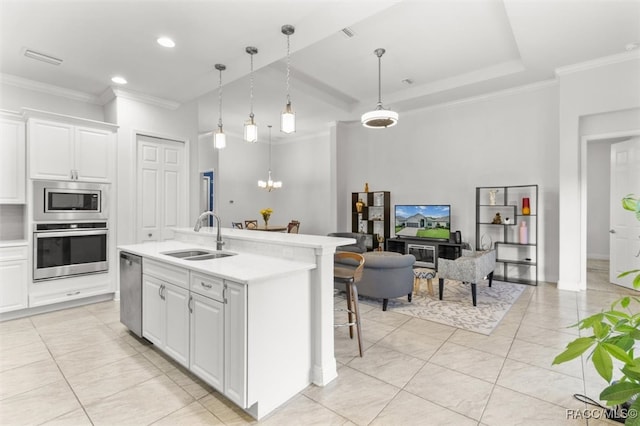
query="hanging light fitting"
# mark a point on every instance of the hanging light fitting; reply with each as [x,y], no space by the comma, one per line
[270,184]
[288,117]
[250,126]
[219,138]
[379,118]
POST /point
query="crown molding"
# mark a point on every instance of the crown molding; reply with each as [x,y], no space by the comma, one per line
[116,92]
[596,63]
[50,89]
[480,98]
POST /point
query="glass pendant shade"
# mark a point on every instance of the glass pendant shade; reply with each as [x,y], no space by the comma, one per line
[250,126]
[219,139]
[250,131]
[288,120]
[379,119]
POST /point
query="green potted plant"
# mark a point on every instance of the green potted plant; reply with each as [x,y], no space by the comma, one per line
[614,333]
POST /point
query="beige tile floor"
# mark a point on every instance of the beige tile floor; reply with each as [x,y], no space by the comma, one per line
[80,366]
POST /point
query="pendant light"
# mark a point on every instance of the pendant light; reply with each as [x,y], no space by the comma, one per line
[250,126]
[269,185]
[288,117]
[219,138]
[379,118]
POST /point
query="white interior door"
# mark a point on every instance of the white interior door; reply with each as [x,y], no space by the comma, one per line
[624,228]
[161,189]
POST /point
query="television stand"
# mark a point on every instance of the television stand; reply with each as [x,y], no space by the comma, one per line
[426,251]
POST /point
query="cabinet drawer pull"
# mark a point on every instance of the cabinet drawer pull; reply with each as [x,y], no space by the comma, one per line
[205,285]
[189,304]
[74,293]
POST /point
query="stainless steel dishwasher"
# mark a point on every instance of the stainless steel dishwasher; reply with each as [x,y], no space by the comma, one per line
[131,292]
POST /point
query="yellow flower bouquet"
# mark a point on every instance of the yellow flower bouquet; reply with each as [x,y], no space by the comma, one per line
[266,214]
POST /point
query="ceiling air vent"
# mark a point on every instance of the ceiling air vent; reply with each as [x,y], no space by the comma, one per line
[348,32]
[42,57]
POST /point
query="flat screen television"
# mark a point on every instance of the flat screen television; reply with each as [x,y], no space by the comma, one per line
[429,221]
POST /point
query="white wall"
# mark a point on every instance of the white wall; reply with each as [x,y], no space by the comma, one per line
[302,164]
[613,86]
[137,117]
[441,154]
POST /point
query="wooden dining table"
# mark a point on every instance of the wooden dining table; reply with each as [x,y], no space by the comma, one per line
[271,228]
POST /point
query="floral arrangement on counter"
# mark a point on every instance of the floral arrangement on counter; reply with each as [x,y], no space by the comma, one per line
[266,214]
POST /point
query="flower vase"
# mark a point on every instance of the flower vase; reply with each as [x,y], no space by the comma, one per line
[266,221]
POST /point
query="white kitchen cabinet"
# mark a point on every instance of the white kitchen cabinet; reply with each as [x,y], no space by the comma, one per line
[62,151]
[165,309]
[235,347]
[176,341]
[207,340]
[13,278]
[12,161]
[152,309]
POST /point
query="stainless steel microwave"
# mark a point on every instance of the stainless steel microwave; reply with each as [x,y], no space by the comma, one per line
[73,201]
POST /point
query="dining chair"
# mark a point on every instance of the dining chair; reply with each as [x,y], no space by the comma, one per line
[293,227]
[237,225]
[251,224]
[347,270]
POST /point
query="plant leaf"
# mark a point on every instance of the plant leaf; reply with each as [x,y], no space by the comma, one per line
[633,417]
[625,273]
[618,353]
[620,392]
[574,349]
[603,363]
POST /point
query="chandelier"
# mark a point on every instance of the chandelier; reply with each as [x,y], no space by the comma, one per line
[269,184]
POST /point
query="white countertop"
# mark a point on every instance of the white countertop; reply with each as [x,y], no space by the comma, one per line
[295,240]
[243,267]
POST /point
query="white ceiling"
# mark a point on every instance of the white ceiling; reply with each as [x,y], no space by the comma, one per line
[450,49]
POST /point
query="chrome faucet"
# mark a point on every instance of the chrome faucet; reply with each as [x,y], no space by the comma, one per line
[196,228]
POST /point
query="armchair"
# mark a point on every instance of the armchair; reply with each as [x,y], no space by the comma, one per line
[471,268]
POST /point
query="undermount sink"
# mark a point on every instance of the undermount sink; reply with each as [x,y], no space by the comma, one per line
[197,254]
[186,253]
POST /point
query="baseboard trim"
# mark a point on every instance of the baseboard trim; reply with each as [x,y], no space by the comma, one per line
[6,316]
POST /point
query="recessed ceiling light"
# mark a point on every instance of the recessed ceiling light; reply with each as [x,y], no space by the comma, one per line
[119,80]
[166,42]
[631,46]
[407,81]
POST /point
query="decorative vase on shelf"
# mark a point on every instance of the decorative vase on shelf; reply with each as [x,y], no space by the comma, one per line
[492,197]
[366,187]
[526,210]
[524,233]
[359,205]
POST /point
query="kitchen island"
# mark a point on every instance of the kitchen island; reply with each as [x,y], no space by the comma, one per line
[257,325]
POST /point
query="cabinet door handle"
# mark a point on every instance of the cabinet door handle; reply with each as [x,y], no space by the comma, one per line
[160,291]
[189,304]
[73,293]
[224,294]
[205,285]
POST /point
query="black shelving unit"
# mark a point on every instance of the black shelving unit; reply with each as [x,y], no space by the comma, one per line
[374,218]
[516,260]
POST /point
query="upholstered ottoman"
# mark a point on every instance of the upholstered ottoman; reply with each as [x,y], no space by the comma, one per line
[423,274]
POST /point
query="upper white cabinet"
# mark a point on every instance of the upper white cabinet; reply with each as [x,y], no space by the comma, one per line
[12,160]
[74,150]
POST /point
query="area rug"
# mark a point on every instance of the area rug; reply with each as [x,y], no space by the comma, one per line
[456,309]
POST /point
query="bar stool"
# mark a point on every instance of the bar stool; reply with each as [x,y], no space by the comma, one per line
[349,276]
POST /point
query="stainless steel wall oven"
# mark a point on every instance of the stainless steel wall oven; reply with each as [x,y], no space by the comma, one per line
[68,249]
